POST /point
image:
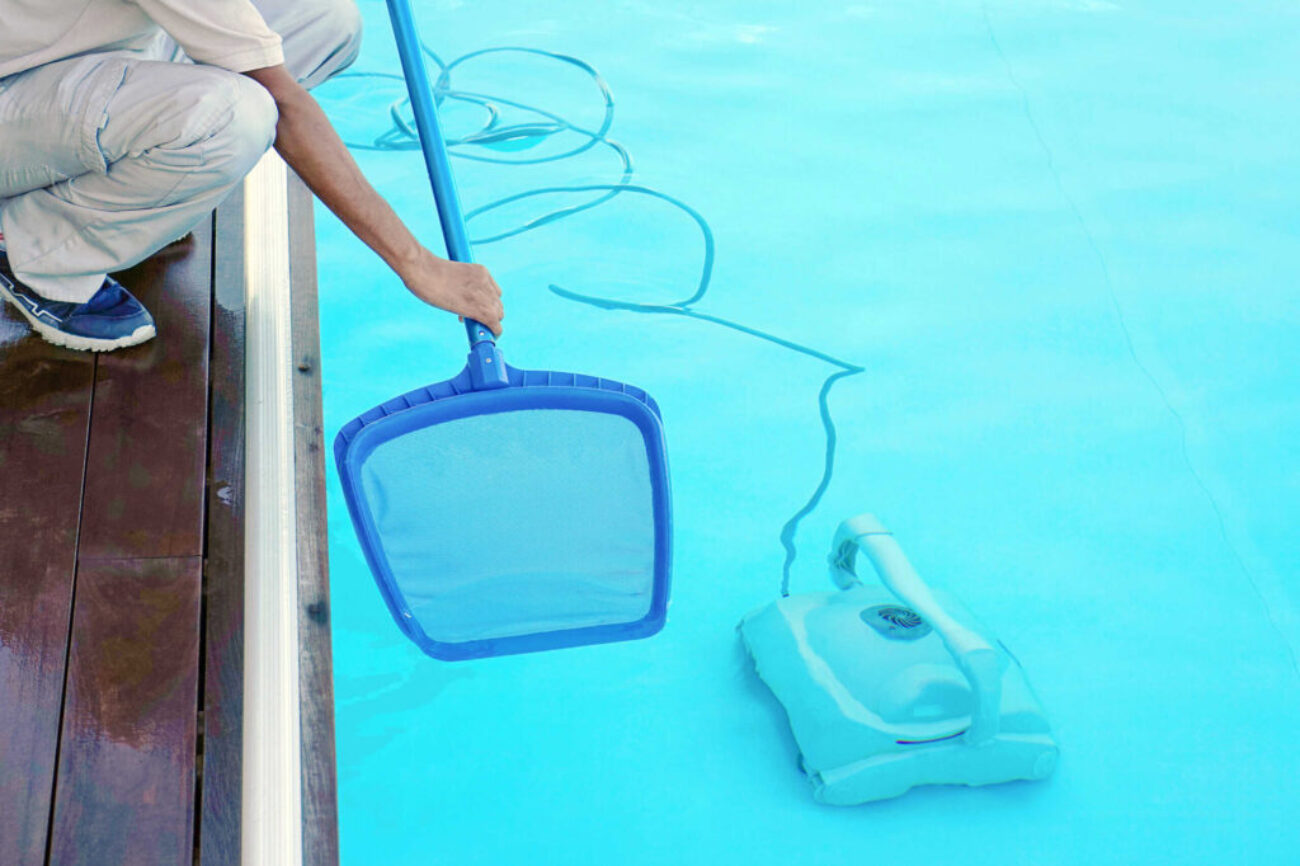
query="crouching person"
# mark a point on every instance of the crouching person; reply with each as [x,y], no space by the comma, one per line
[123,124]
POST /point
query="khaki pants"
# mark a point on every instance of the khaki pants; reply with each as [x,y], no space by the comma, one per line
[106,158]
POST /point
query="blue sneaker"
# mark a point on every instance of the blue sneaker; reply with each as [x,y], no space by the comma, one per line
[112,319]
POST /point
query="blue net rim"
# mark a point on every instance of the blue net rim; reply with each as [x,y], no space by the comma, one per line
[528,389]
[461,385]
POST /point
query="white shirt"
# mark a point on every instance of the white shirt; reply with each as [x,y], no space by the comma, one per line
[226,33]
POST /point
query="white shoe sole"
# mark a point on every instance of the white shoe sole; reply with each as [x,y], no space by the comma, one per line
[142,334]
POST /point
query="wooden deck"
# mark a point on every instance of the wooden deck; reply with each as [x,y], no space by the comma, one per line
[121,574]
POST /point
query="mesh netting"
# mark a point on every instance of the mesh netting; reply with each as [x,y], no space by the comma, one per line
[516,523]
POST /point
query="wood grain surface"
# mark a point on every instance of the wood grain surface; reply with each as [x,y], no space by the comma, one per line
[122,573]
[223,588]
[145,470]
[45,402]
[320,820]
[125,792]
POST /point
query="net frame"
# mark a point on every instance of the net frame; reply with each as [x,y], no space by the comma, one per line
[526,390]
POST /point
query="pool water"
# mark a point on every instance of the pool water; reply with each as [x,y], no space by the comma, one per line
[1027,268]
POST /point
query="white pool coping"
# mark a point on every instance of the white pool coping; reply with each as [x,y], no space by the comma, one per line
[272,805]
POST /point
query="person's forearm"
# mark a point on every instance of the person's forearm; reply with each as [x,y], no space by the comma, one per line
[309,144]
[307,141]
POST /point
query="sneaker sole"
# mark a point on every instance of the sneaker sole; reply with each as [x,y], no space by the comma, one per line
[142,334]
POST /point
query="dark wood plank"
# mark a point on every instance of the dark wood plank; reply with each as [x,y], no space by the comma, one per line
[45,399]
[126,760]
[320,835]
[223,590]
[145,471]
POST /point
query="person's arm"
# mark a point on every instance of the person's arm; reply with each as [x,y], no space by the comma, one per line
[308,143]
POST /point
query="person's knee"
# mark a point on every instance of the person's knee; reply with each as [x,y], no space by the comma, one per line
[332,33]
[207,121]
[345,25]
[246,130]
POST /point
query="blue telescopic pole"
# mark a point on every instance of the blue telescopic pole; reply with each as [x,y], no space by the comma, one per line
[444,186]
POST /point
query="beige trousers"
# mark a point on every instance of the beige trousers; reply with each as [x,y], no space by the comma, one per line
[106,158]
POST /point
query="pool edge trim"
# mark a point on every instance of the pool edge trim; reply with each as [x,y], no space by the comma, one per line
[271,785]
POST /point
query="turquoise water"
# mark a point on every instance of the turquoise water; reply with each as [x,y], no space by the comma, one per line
[1046,252]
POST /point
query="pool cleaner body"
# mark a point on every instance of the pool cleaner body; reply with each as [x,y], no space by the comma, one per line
[895,685]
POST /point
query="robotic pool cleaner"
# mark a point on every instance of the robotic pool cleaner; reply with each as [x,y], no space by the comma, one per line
[888,687]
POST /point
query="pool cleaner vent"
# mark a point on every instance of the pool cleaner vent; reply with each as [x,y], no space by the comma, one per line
[923,696]
[896,623]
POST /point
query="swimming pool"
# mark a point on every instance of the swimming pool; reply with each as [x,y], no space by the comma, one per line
[1045,255]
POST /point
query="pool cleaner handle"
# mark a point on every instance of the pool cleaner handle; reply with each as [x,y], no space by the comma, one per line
[486,365]
[975,657]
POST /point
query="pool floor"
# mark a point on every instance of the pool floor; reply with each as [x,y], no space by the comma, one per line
[1045,256]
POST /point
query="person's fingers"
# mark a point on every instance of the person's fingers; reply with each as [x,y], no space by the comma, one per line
[480,296]
[489,317]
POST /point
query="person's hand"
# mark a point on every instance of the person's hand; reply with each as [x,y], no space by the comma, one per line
[457,287]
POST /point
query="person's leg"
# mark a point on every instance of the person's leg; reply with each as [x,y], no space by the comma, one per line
[321,37]
[108,158]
